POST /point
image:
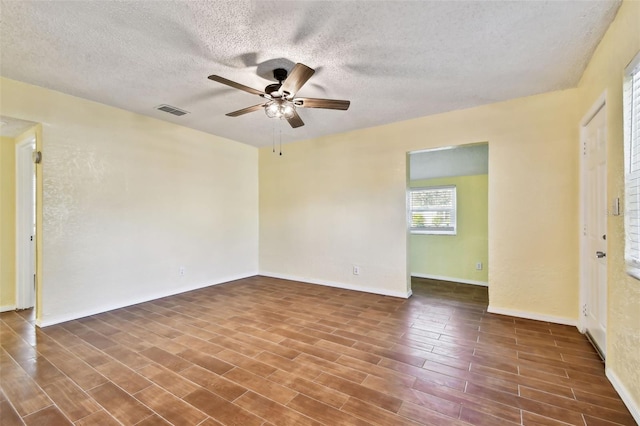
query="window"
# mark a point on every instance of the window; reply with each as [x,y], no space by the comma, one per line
[433,210]
[632,166]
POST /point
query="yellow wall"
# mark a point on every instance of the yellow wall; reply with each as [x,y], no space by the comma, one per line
[332,202]
[454,257]
[605,73]
[127,200]
[7,223]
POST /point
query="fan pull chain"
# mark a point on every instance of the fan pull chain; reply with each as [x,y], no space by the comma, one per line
[273,137]
[281,139]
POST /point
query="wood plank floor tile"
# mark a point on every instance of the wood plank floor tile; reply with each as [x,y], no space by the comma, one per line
[375,415]
[70,399]
[9,415]
[24,394]
[127,357]
[531,419]
[170,407]
[323,413]
[154,420]
[124,407]
[268,409]
[408,394]
[427,416]
[621,417]
[301,369]
[167,379]
[41,370]
[271,389]
[205,361]
[364,393]
[474,417]
[311,389]
[219,385]
[101,418]
[166,359]
[85,376]
[123,376]
[273,352]
[547,410]
[47,416]
[337,369]
[249,364]
[222,410]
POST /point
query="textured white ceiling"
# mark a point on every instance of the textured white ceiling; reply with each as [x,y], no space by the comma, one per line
[394,60]
[12,127]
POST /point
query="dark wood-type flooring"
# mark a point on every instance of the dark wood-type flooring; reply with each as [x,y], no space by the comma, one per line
[263,351]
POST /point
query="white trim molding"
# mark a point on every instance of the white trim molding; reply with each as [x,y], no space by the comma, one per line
[7,308]
[450,279]
[46,322]
[532,316]
[624,393]
[403,295]
[25,220]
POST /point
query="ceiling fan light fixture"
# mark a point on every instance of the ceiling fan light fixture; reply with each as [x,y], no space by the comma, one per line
[279,109]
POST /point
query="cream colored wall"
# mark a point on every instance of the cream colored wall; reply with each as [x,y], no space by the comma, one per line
[128,199]
[332,202]
[604,73]
[455,256]
[7,223]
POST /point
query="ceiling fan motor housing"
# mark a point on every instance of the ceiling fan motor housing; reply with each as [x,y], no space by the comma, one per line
[279,74]
[272,90]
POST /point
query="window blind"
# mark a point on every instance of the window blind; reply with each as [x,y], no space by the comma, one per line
[631,113]
[433,210]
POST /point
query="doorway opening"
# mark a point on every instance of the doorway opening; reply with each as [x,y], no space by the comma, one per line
[447,214]
[25,224]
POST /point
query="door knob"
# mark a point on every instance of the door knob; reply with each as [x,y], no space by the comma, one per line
[601,254]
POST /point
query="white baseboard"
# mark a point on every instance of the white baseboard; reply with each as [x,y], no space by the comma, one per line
[384,292]
[532,316]
[451,279]
[47,321]
[7,308]
[622,390]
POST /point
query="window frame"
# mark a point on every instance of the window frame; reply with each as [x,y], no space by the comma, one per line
[631,110]
[452,230]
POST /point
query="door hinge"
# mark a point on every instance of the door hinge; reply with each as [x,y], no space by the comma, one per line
[584,309]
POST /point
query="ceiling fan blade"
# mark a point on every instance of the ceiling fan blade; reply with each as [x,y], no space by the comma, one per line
[235,85]
[296,79]
[322,103]
[245,110]
[295,120]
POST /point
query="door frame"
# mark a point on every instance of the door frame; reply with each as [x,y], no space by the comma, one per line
[25,249]
[599,104]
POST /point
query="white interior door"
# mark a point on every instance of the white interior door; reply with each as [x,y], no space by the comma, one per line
[595,230]
[25,225]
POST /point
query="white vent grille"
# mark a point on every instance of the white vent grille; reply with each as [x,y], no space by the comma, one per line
[171,110]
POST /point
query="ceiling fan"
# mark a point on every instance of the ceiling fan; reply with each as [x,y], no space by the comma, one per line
[280,99]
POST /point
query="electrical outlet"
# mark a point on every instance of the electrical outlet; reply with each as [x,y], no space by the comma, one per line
[356,270]
[479,266]
[181,271]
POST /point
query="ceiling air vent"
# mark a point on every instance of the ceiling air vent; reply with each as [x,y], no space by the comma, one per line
[172,110]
